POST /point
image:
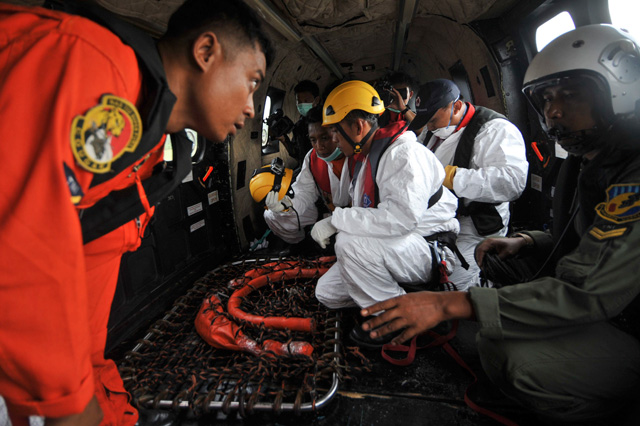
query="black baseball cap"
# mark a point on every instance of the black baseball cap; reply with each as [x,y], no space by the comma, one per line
[430,98]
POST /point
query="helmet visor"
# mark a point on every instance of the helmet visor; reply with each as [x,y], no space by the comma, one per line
[591,84]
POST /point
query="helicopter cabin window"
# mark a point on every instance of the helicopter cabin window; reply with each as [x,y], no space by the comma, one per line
[271,115]
[624,14]
[197,147]
[553,28]
[265,126]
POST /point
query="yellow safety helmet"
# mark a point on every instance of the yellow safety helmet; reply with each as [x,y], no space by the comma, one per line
[272,177]
[348,96]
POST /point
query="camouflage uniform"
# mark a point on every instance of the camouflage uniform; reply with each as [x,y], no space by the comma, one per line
[559,344]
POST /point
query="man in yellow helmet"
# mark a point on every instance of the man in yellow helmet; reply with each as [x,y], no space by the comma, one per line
[321,185]
[397,201]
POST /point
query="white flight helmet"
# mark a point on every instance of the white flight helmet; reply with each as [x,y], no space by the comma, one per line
[603,56]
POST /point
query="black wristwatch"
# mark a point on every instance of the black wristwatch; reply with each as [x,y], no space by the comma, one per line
[404,111]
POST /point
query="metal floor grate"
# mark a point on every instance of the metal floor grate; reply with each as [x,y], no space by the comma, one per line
[174,368]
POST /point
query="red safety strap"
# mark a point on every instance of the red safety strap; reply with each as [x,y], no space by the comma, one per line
[440,340]
[145,203]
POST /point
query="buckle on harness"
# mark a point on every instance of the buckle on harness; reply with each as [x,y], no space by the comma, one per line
[277,166]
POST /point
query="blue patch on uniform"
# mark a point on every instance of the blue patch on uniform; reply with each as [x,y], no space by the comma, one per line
[366,201]
[622,204]
[74,186]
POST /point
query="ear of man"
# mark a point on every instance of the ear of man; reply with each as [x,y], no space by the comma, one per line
[458,106]
[206,50]
[361,127]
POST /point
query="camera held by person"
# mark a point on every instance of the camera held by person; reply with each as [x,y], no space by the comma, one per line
[279,124]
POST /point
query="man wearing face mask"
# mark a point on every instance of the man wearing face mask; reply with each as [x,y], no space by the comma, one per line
[322,185]
[307,96]
[485,164]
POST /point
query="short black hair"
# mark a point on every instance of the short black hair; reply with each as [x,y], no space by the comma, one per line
[307,86]
[329,88]
[231,20]
[315,115]
[356,114]
[399,77]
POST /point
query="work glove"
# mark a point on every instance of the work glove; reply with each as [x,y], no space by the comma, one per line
[322,231]
[449,173]
[272,203]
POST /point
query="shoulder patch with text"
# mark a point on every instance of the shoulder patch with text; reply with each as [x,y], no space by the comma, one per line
[622,205]
[105,133]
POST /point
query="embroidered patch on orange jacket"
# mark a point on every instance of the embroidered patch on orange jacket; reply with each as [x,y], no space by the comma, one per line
[622,205]
[105,133]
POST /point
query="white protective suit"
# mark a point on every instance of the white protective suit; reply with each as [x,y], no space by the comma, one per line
[497,174]
[378,247]
[306,192]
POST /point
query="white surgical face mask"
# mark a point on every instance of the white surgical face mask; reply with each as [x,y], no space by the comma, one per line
[445,132]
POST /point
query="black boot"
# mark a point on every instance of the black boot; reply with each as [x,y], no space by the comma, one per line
[362,338]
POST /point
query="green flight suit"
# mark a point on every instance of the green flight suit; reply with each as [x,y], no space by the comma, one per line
[555,344]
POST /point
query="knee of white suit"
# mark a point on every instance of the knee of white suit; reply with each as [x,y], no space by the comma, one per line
[349,246]
[283,227]
[332,300]
[331,290]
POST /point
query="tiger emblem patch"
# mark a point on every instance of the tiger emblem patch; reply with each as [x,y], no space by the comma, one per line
[105,133]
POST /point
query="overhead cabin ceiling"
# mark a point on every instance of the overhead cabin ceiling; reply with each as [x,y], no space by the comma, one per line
[361,33]
[346,35]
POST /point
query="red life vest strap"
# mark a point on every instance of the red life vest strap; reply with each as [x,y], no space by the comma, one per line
[320,171]
[443,340]
[382,139]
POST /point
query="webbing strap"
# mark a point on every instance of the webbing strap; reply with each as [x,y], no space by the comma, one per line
[443,340]
[439,340]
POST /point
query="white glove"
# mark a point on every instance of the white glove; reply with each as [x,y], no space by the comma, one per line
[322,231]
[272,203]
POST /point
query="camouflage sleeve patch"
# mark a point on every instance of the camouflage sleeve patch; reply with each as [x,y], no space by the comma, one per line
[622,204]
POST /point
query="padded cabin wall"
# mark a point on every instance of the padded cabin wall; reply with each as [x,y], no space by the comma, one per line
[244,157]
[192,231]
[297,63]
[293,63]
[151,15]
[347,43]
[435,44]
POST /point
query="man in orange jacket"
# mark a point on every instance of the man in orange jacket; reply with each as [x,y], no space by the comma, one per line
[83,113]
